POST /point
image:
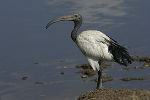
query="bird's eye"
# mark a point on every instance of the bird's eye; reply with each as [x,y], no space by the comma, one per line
[76,15]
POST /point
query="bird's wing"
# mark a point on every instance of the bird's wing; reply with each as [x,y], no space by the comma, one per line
[92,46]
[96,45]
[120,54]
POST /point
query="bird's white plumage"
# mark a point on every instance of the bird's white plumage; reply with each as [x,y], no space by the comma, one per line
[94,63]
[93,45]
[96,46]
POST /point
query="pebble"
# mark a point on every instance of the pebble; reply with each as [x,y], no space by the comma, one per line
[65,67]
[62,73]
[84,76]
[146,65]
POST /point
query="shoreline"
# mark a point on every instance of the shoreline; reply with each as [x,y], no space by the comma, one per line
[116,94]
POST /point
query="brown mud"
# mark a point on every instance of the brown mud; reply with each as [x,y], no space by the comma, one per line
[116,94]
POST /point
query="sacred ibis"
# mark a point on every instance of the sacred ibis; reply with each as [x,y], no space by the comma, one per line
[96,46]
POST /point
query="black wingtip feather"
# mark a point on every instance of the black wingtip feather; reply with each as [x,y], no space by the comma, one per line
[120,54]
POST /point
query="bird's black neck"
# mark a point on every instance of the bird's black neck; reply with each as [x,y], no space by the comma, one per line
[77,25]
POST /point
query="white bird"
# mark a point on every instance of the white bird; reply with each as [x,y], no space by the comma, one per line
[96,46]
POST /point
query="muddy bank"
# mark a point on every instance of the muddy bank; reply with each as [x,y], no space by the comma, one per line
[119,94]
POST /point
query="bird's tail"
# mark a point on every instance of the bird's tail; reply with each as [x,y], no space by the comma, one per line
[120,54]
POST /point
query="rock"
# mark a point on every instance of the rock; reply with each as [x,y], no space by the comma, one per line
[132,78]
[118,94]
[88,72]
[84,76]
[62,73]
[146,65]
[24,78]
[104,79]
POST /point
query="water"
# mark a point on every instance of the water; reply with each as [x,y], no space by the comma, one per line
[24,41]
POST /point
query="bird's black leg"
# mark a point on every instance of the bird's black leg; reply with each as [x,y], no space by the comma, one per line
[99,83]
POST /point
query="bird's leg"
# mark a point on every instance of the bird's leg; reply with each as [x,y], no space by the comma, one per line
[100,71]
[99,83]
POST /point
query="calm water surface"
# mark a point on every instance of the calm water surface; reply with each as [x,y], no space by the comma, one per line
[28,50]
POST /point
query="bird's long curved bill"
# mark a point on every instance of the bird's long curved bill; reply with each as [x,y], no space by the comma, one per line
[63,18]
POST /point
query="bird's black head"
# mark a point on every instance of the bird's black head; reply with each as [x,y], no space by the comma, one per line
[77,18]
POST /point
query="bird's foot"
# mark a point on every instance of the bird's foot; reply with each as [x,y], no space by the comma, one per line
[99,86]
